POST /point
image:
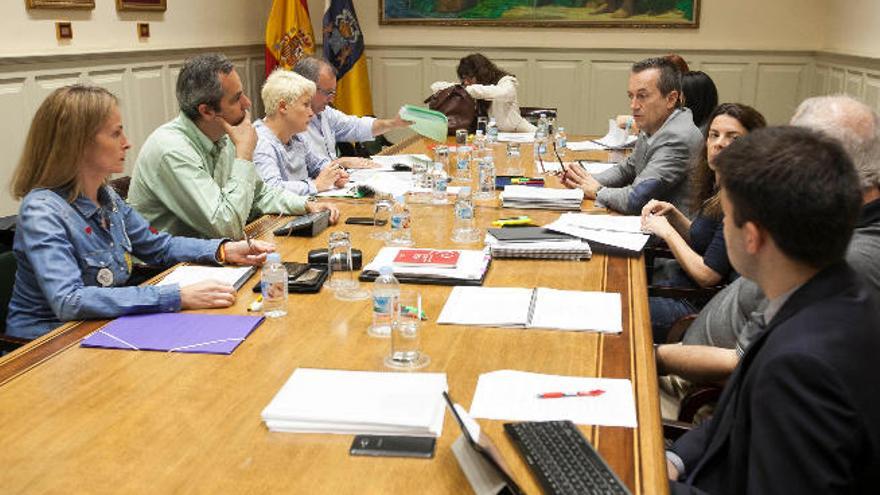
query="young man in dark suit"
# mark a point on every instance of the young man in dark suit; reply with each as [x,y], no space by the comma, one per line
[800,413]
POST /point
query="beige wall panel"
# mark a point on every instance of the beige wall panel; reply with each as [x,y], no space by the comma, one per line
[606,95]
[148,105]
[402,83]
[730,79]
[172,108]
[779,91]
[13,128]
[561,87]
[257,78]
[441,69]
[872,91]
[854,81]
[836,77]
[45,84]
[821,75]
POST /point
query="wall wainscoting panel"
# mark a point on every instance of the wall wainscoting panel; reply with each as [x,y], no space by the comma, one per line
[858,77]
[144,82]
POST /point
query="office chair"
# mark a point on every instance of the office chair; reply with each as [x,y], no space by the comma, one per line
[7,281]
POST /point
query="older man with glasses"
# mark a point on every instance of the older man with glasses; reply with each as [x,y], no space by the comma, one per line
[330,125]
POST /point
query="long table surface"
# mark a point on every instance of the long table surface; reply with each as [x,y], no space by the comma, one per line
[74,419]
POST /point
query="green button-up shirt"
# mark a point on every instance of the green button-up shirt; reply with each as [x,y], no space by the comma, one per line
[185,184]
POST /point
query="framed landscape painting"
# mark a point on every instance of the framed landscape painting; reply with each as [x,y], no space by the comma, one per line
[543,13]
[141,5]
[61,4]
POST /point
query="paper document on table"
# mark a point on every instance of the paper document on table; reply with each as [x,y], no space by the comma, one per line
[594,168]
[513,396]
[516,137]
[429,123]
[616,137]
[185,275]
[359,402]
[540,307]
[389,161]
[585,146]
[609,232]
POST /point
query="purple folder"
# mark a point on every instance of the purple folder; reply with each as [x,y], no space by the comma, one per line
[175,332]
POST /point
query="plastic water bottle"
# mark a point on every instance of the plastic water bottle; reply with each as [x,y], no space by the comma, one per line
[463,227]
[492,131]
[274,286]
[551,126]
[487,178]
[561,140]
[479,143]
[386,296]
[401,224]
[438,184]
[541,137]
[463,164]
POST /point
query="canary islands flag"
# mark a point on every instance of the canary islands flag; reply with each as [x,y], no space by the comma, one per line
[289,35]
[344,48]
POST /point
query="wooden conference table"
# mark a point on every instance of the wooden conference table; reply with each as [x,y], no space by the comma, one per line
[107,421]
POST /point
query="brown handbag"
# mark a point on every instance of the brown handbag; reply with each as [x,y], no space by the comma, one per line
[458,106]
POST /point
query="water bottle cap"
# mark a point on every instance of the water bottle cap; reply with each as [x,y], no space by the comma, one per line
[273,258]
[386,270]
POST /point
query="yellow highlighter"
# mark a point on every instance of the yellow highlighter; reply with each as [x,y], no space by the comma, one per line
[512,221]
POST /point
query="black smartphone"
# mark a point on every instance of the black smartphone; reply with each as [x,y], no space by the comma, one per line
[362,221]
[393,446]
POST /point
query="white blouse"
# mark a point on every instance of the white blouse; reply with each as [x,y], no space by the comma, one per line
[504,107]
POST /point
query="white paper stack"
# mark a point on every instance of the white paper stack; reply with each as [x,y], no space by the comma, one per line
[192,274]
[516,196]
[604,232]
[359,402]
[574,249]
[516,137]
[472,264]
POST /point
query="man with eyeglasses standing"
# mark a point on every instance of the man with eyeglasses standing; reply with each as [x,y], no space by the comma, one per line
[330,125]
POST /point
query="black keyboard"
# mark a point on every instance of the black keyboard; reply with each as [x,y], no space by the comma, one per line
[562,459]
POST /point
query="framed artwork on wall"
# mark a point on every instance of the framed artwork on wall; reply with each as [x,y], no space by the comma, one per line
[158,5]
[61,4]
[543,13]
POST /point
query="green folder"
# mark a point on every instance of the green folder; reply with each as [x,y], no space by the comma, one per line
[428,123]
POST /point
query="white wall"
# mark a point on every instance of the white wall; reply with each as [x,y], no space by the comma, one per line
[186,24]
[853,28]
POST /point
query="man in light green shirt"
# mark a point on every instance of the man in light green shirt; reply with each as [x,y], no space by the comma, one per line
[194,176]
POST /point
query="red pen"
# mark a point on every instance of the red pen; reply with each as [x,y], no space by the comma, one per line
[558,395]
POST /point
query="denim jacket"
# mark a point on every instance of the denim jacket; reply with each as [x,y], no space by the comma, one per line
[71,267]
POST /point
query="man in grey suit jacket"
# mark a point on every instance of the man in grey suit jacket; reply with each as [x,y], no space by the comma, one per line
[661,161]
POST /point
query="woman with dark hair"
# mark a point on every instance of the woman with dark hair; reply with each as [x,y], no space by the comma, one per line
[700,95]
[484,80]
[698,245]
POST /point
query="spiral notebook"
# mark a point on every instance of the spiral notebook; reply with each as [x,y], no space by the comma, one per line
[533,308]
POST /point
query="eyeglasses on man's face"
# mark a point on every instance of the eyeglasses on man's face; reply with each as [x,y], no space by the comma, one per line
[329,93]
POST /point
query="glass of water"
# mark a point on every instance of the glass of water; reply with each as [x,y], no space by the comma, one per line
[406,344]
[461,137]
[514,162]
[381,218]
[482,123]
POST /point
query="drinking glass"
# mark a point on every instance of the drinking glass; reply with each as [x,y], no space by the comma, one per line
[406,342]
[514,163]
[381,218]
[342,277]
[482,123]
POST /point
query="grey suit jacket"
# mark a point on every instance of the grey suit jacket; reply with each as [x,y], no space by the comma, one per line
[658,168]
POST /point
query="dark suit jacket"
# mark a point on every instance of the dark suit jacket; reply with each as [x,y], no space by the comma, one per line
[801,413]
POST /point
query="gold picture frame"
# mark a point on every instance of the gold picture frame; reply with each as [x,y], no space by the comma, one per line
[61,4]
[147,5]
